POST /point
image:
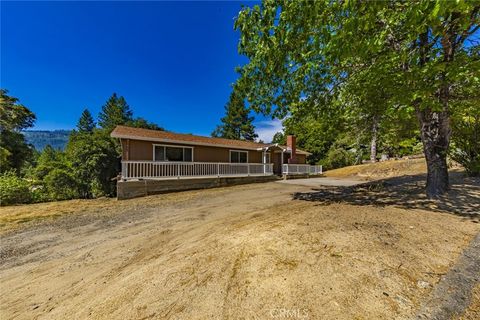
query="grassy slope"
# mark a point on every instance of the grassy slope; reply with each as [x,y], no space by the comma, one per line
[386,169]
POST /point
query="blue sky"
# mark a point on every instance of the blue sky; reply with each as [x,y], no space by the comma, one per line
[173,62]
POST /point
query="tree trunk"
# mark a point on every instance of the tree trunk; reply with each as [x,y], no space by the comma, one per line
[373,143]
[435,132]
[435,125]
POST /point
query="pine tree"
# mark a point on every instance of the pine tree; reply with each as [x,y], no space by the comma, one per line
[115,112]
[237,124]
[86,122]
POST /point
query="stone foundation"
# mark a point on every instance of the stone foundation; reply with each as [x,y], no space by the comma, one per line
[140,188]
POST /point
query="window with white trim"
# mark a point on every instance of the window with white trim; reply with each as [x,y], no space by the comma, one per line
[238,156]
[172,153]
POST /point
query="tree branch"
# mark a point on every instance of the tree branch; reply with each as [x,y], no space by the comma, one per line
[467,32]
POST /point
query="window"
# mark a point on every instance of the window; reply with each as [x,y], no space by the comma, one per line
[238,156]
[172,153]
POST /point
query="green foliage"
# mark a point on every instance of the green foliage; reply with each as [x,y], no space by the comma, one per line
[279,138]
[466,140]
[14,117]
[115,112]
[52,177]
[95,161]
[86,169]
[399,133]
[315,131]
[13,189]
[49,160]
[15,152]
[142,123]
[86,122]
[338,157]
[61,184]
[237,124]
[368,60]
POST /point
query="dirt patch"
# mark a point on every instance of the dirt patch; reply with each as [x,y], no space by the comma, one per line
[236,253]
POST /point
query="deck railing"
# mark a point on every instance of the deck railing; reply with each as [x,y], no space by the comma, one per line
[177,170]
[290,169]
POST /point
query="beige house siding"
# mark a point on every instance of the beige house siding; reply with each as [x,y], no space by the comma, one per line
[140,150]
[301,158]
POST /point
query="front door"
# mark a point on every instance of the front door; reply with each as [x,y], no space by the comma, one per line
[277,166]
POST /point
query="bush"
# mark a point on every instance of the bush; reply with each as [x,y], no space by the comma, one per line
[95,161]
[13,189]
[40,193]
[60,184]
[466,141]
[338,157]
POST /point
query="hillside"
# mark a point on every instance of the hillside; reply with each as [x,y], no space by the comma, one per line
[41,138]
[380,170]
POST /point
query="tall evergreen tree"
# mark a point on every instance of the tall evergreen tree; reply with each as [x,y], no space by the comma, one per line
[140,122]
[86,122]
[237,124]
[115,112]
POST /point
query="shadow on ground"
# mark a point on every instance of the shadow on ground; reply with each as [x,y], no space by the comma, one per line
[407,192]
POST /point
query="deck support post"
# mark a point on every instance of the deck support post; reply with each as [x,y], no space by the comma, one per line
[264,154]
[281,163]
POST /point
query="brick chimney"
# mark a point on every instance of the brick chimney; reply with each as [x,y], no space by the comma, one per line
[292,146]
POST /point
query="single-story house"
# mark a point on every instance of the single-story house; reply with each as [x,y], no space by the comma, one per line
[155,154]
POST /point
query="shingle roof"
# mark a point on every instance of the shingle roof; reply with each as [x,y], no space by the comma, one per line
[171,137]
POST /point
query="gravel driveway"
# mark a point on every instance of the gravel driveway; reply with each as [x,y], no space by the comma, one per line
[323,181]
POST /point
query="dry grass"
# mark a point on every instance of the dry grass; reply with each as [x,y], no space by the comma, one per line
[385,169]
[18,216]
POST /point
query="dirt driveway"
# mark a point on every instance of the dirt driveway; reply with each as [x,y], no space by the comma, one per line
[244,252]
[324,181]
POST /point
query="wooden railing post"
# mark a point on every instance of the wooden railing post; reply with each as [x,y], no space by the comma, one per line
[124,165]
[178,170]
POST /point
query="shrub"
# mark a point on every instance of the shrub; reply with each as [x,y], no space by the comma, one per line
[60,184]
[94,158]
[338,157]
[14,189]
[466,141]
[40,193]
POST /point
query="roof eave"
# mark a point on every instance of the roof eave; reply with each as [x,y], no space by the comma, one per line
[193,143]
[190,143]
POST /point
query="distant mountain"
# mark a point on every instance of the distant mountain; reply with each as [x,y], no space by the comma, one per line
[41,138]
